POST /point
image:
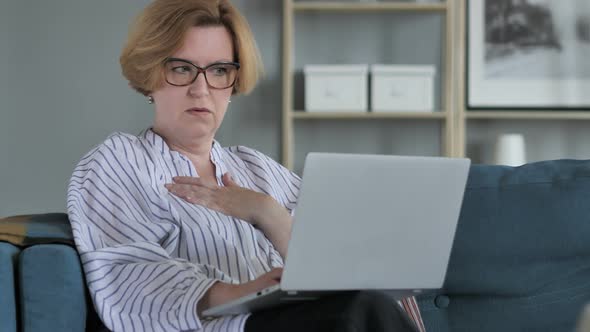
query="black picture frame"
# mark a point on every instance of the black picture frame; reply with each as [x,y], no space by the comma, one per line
[528,55]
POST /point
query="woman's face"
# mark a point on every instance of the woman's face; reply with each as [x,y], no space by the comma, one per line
[189,114]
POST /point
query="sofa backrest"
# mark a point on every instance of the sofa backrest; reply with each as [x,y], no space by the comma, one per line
[521,256]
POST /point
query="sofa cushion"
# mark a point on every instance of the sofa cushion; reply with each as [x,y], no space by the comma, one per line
[8,255]
[521,255]
[52,290]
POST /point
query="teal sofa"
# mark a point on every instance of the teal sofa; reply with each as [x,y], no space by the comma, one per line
[521,255]
[520,260]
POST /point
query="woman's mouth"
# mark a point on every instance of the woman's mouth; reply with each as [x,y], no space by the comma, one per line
[198,111]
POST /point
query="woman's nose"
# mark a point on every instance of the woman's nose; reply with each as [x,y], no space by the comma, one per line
[199,87]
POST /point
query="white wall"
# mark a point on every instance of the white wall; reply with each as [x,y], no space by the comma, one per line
[61,92]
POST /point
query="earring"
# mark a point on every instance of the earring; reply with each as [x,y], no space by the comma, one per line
[150,100]
[229,101]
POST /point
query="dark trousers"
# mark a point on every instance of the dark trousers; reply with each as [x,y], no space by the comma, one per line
[347,312]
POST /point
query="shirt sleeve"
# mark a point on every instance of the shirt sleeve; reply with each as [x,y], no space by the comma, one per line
[278,181]
[126,236]
[286,194]
[284,184]
[289,183]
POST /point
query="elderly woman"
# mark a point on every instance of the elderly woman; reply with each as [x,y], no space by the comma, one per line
[169,223]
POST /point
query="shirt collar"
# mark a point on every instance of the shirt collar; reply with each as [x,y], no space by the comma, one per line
[218,158]
[157,142]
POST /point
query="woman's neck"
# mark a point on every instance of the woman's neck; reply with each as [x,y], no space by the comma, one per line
[199,153]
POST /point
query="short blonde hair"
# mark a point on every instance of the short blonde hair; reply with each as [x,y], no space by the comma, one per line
[160,29]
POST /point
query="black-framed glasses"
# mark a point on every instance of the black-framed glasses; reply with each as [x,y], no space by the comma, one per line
[218,75]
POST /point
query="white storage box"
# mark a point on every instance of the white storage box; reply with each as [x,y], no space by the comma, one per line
[336,88]
[396,88]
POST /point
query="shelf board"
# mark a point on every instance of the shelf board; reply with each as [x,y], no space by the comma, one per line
[532,115]
[368,6]
[302,115]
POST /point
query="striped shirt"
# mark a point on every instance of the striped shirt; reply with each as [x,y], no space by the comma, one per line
[150,256]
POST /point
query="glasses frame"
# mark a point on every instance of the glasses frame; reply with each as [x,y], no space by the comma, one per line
[204,71]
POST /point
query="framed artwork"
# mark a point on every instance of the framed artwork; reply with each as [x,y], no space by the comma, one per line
[531,54]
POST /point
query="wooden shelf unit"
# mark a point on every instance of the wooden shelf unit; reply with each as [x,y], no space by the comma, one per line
[367,6]
[455,119]
[528,115]
[302,115]
[448,122]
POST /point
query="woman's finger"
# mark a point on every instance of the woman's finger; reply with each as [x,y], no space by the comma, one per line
[194,198]
[276,273]
[203,196]
[186,190]
[188,180]
[228,181]
[179,188]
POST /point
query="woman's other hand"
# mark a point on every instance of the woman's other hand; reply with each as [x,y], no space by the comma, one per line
[221,293]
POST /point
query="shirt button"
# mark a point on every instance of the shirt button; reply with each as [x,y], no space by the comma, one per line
[442,301]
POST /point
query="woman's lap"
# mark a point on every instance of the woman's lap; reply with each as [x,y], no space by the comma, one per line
[346,312]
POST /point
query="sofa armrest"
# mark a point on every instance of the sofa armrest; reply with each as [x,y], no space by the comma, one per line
[52,290]
[8,317]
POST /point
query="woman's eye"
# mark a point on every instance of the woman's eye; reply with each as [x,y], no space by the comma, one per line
[219,71]
[181,69]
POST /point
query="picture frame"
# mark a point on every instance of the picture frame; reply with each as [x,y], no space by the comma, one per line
[524,54]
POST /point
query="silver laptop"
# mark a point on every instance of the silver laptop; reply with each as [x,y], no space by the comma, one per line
[367,222]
